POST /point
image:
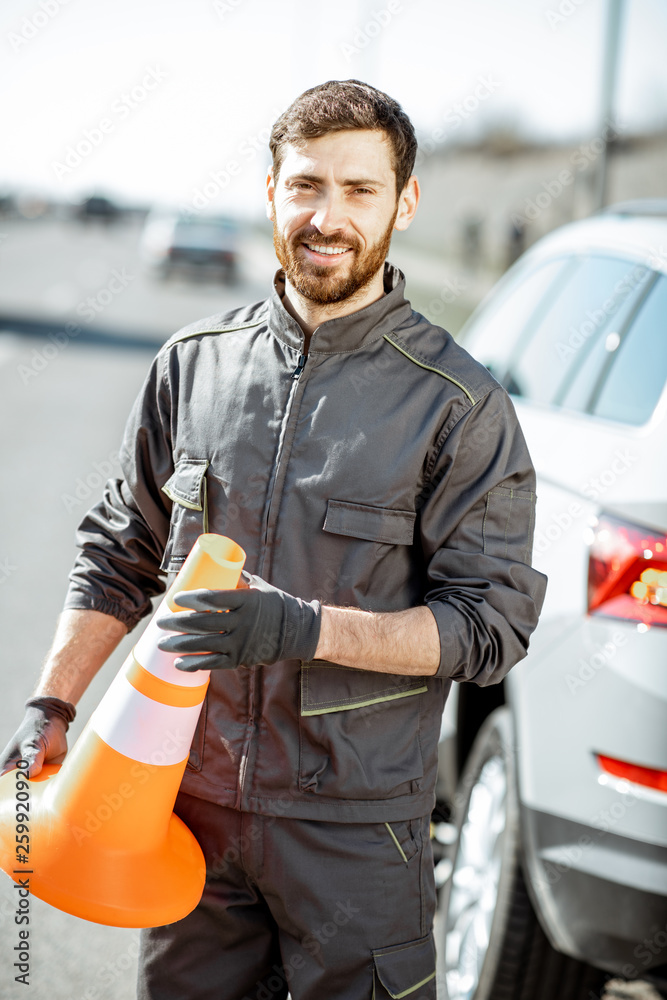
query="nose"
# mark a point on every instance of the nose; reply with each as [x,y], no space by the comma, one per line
[330,214]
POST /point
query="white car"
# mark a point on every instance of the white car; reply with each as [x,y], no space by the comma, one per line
[556,876]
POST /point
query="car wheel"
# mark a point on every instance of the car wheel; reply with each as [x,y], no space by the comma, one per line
[491,945]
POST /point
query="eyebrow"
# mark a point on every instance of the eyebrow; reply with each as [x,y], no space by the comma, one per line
[315,179]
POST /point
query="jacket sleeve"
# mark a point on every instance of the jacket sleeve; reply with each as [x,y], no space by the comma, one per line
[123,537]
[477,523]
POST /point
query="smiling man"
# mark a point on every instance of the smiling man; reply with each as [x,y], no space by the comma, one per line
[335,205]
[378,481]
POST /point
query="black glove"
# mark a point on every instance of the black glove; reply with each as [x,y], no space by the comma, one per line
[41,737]
[262,624]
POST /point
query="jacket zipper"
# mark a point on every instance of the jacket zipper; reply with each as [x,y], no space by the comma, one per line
[250,728]
[300,366]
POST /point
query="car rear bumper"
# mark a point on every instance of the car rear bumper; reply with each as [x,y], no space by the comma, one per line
[599,895]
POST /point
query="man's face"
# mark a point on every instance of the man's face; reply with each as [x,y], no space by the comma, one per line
[334,208]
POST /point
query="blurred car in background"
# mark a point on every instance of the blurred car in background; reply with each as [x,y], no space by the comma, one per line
[97,208]
[555,780]
[195,246]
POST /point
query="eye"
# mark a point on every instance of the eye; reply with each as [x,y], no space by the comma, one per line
[363,191]
[301,184]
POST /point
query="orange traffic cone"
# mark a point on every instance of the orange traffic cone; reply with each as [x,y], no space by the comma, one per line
[102,840]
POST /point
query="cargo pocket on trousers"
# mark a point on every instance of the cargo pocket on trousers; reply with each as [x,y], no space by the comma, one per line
[186,488]
[405,970]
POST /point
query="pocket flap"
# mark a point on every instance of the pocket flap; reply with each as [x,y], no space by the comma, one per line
[508,523]
[330,687]
[376,524]
[186,484]
[403,968]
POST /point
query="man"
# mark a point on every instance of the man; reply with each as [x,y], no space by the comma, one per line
[379,483]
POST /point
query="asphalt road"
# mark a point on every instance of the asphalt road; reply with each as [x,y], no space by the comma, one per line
[59,428]
[63,405]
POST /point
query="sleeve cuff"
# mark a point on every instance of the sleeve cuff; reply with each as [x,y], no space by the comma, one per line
[449,621]
[85,602]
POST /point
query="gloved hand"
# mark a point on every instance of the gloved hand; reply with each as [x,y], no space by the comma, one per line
[262,624]
[40,739]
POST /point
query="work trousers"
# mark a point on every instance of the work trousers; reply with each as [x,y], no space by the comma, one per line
[316,910]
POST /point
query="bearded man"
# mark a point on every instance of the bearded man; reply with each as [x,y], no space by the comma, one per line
[378,481]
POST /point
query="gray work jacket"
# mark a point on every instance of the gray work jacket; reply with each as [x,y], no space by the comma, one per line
[384,470]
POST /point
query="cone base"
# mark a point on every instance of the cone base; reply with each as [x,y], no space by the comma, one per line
[168,882]
[116,887]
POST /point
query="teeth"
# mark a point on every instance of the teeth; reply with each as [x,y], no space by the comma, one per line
[327,250]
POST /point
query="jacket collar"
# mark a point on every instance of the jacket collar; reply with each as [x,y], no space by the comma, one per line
[345,333]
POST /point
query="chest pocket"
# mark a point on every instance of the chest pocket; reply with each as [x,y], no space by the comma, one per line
[186,488]
[375,524]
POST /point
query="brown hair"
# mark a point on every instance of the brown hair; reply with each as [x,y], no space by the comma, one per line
[339,105]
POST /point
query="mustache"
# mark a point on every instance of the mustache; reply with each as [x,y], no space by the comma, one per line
[311,235]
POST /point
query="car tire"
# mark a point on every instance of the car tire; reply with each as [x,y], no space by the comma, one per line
[491,945]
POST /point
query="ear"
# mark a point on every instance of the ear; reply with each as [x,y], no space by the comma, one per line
[407,203]
[270,192]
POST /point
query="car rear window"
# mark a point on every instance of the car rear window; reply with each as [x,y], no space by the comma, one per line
[500,323]
[564,333]
[584,332]
[637,376]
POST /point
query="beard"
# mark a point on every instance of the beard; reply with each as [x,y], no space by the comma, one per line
[320,284]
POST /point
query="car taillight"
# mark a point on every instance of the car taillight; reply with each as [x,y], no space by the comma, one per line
[627,572]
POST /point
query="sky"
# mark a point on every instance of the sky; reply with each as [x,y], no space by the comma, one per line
[171,101]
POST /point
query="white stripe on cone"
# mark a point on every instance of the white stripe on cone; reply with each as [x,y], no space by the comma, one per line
[159,663]
[143,729]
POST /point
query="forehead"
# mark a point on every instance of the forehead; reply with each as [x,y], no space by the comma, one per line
[354,153]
